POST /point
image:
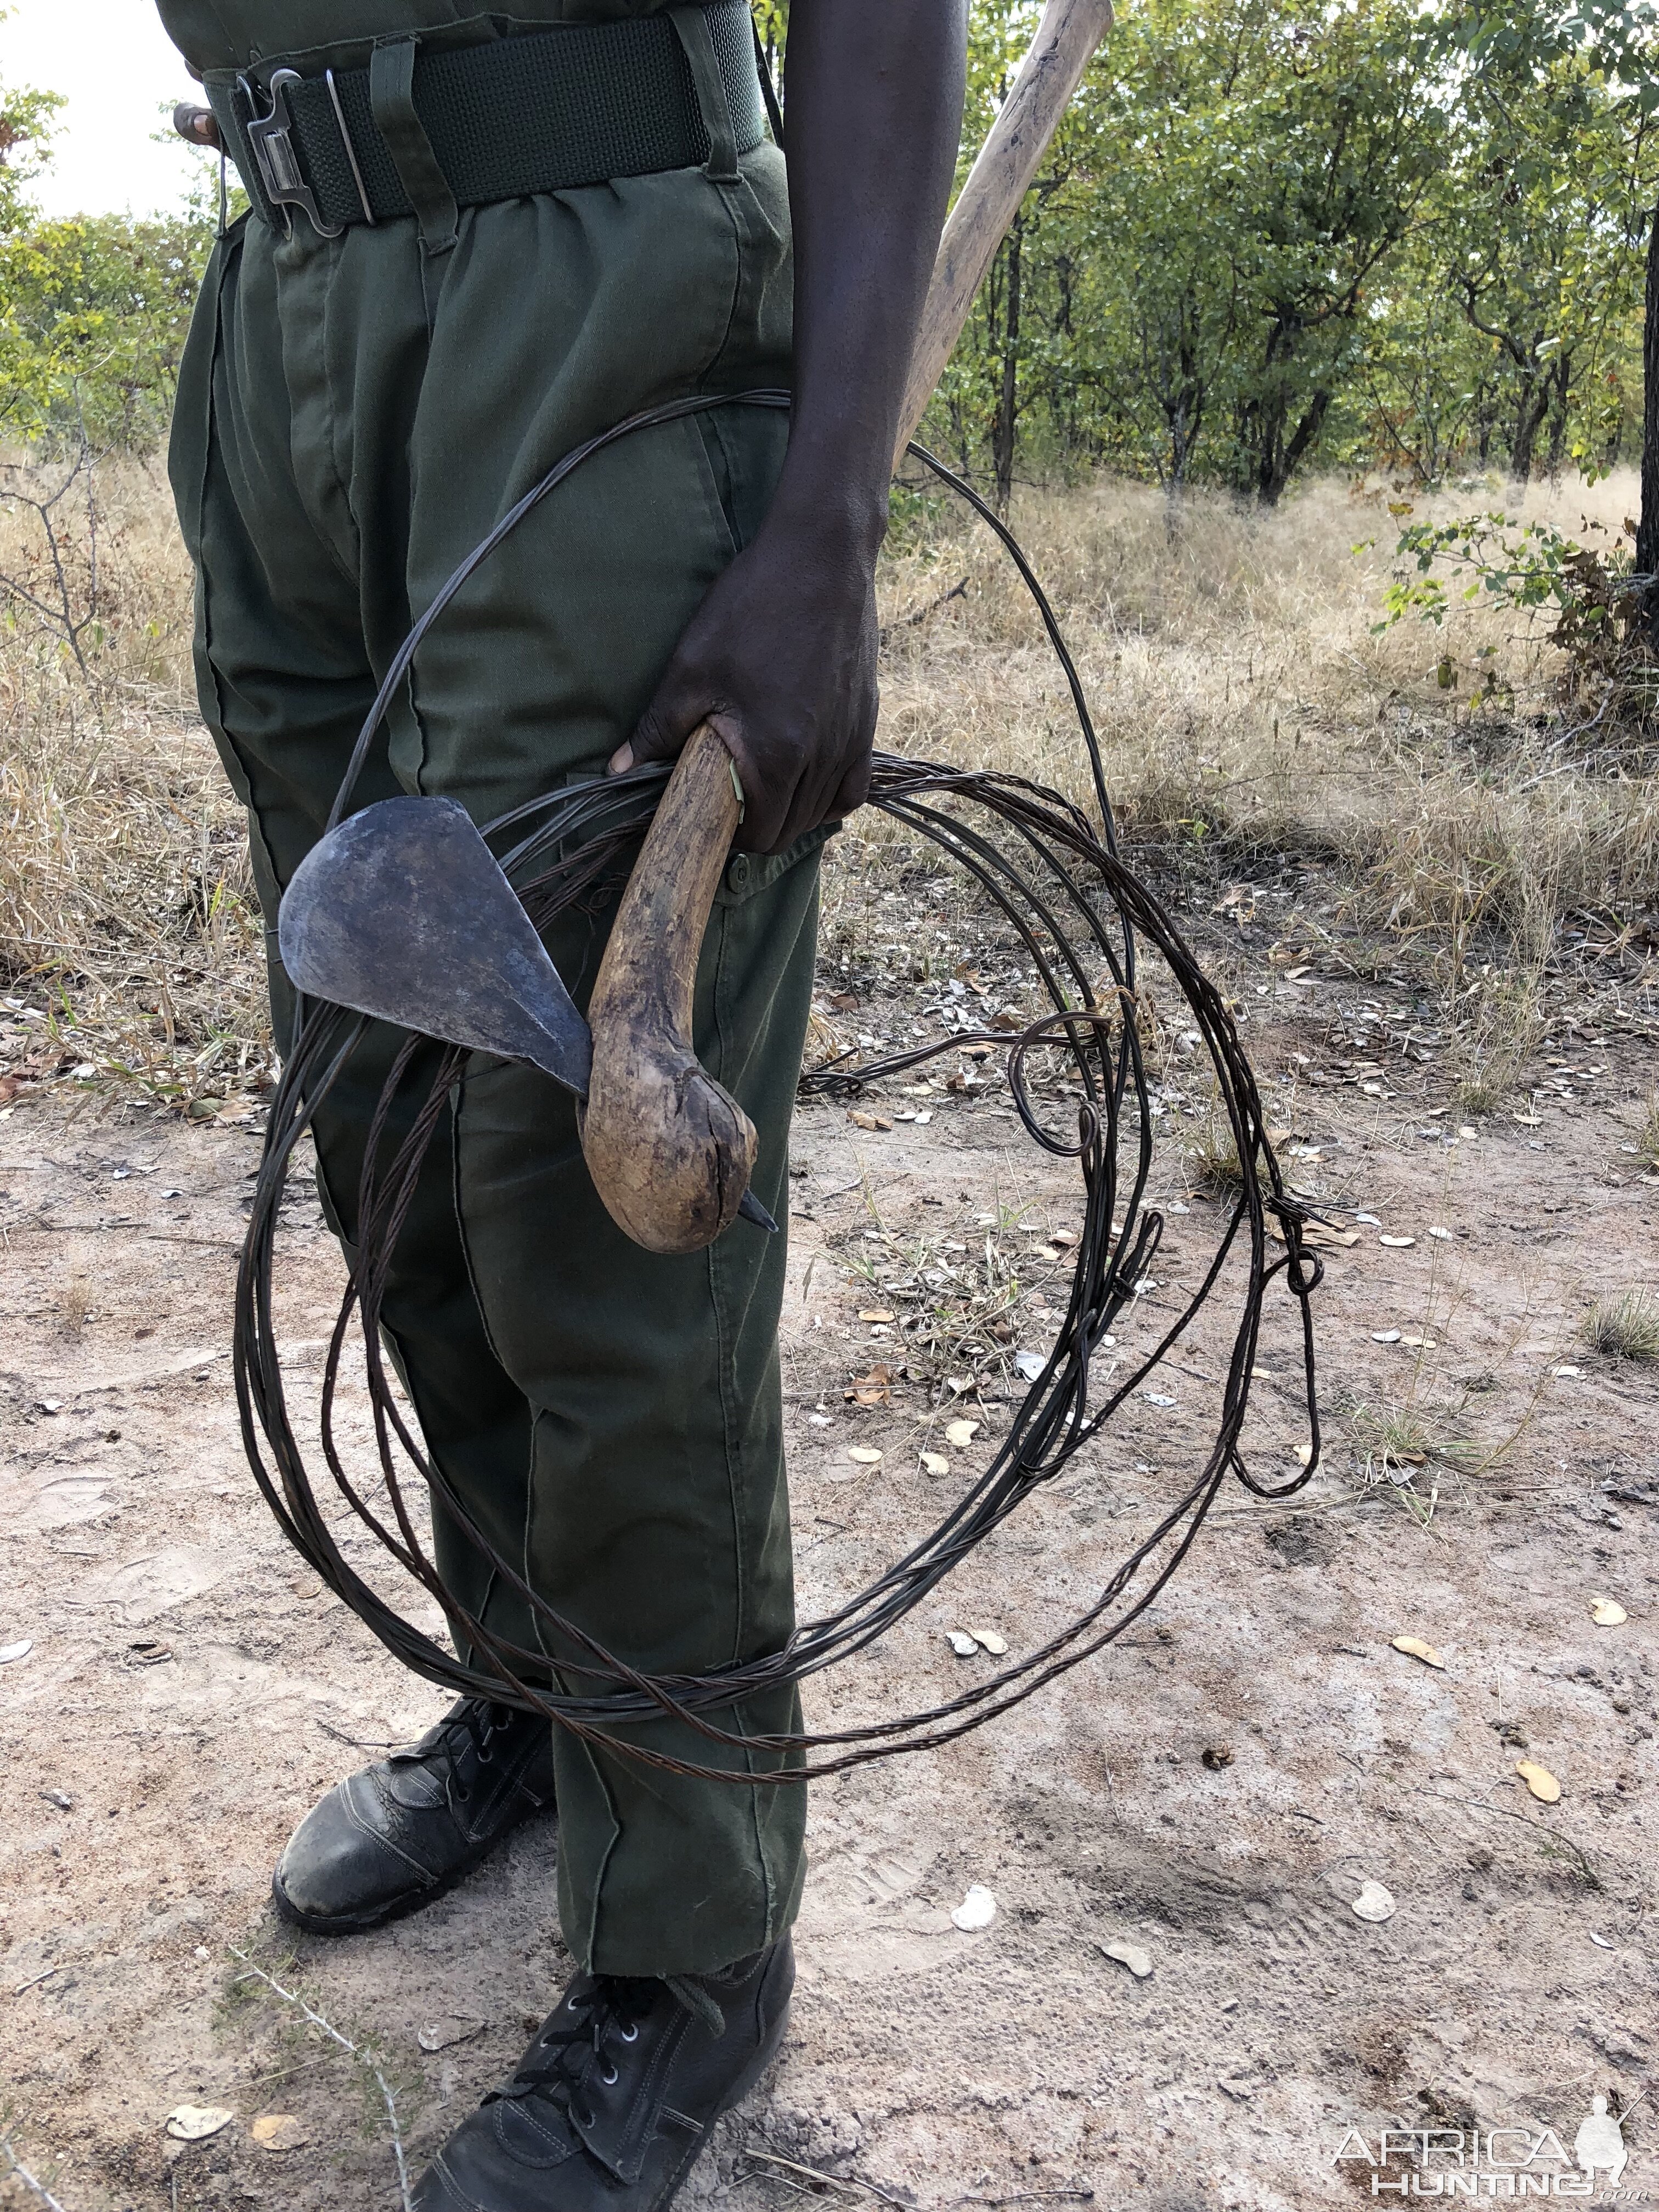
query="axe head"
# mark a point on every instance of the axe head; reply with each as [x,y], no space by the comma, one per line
[404,913]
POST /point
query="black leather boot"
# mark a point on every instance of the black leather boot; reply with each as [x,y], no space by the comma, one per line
[616,2096]
[392,1838]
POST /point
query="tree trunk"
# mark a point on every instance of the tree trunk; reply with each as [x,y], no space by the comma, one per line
[1562,380]
[1280,459]
[1529,411]
[1008,398]
[1647,530]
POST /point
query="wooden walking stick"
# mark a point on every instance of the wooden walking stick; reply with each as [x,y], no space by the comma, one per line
[671,1152]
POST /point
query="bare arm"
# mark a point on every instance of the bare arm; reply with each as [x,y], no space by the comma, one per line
[782,654]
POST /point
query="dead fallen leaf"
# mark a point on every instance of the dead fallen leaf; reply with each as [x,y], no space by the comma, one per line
[9,1087]
[977,1910]
[869,1121]
[1374,1902]
[1420,1343]
[844,1002]
[196,2123]
[1304,1453]
[1608,1613]
[1215,1756]
[279,2131]
[1415,1647]
[863,1455]
[875,1389]
[960,1434]
[1131,1955]
[1539,1779]
[1315,1232]
[989,1640]
[935,1463]
[1322,1233]
[875,1313]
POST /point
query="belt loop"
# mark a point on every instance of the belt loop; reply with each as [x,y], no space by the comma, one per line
[692,24]
[390,99]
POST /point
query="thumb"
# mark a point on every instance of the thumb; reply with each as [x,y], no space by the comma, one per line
[662,730]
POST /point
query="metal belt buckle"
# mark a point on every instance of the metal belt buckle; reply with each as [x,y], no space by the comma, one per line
[273,145]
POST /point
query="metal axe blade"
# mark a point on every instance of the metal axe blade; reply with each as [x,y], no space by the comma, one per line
[402,912]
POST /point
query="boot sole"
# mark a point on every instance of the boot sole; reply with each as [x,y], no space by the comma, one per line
[358,1924]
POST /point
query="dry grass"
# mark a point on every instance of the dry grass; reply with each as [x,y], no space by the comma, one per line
[1647,1135]
[1248,712]
[1212,1157]
[130,943]
[1623,1326]
[1247,704]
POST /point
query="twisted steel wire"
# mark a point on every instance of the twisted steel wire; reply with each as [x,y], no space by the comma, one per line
[1057,879]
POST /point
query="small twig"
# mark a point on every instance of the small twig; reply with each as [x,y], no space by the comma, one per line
[287,2073]
[46,1973]
[354,1743]
[1034,2196]
[15,2166]
[364,2058]
[1549,1836]
[850,2185]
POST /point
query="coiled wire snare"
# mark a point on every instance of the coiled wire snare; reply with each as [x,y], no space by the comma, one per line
[1057,879]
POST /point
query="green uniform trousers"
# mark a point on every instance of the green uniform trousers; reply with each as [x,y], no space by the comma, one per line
[354,414]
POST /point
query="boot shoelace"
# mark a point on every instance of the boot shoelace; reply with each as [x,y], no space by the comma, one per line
[575,2037]
[474,1722]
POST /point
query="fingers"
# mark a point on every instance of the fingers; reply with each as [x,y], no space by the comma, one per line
[198,125]
[853,792]
[662,731]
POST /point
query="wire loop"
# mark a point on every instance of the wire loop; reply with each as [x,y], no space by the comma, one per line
[1055,876]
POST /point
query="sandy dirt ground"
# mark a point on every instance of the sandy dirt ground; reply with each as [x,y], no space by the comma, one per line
[1214,1792]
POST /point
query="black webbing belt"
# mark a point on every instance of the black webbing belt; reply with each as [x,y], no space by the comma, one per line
[547,112]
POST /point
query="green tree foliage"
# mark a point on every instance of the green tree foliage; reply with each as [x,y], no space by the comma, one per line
[1270,236]
[94,309]
[97,310]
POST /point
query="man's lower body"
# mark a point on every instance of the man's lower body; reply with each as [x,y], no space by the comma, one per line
[353,415]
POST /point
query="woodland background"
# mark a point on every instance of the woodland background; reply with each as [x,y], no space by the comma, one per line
[1270,239]
[1313,376]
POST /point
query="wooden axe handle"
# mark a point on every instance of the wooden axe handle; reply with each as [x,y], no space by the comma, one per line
[997,184]
[670,1151]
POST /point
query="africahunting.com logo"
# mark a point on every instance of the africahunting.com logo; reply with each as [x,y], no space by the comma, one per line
[1492,2162]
